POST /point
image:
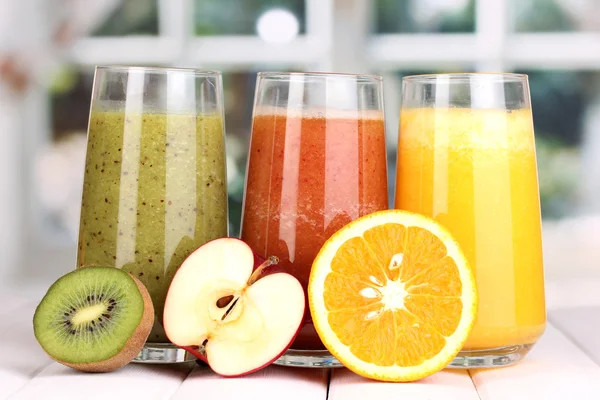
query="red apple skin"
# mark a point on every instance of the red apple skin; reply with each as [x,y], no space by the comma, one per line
[195,351]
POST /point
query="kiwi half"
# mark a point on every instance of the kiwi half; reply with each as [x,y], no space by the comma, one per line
[94,319]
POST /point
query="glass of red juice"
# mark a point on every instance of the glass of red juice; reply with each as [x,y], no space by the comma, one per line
[317,160]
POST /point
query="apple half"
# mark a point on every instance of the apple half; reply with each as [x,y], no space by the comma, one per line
[235,320]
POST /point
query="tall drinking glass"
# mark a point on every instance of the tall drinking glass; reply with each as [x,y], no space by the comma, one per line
[466,157]
[317,161]
[155,184]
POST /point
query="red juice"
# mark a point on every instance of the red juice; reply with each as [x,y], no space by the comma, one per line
[307,178]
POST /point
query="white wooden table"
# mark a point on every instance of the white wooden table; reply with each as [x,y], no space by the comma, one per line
[565,364]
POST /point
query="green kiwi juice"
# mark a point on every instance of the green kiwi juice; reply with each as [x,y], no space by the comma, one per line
[154,191]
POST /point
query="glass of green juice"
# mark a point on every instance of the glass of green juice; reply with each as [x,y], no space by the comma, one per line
[155,179]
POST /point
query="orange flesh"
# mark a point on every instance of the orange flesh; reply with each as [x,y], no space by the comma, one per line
[373,320]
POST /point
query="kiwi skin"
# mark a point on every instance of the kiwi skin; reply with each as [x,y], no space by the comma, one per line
[132,347]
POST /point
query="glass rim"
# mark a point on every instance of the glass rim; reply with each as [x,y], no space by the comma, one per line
[283,76]
[464,77]
[158,70]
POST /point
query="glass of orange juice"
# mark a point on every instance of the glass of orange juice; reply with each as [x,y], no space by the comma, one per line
[466,157]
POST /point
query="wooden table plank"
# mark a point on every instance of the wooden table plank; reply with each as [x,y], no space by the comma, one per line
[445,385]
[12,300]
[572,293]
[21,357]
[133,381]
[558,367]
[26,372]
[270,383]
[555,369]
[581,325]
[12,305]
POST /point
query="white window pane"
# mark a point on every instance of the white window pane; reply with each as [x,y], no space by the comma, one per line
[58,167]
[243,17]
[556,15]
[566,116]
[405,16]
[130,17]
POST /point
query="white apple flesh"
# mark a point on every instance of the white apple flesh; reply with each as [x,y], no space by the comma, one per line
[235,320]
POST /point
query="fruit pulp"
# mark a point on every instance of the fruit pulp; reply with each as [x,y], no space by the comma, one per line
[474,171]
[154,190]
[308,176]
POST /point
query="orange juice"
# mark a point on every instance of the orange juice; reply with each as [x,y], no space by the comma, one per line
[474,171]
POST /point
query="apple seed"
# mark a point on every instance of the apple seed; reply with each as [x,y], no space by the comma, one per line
[224,301]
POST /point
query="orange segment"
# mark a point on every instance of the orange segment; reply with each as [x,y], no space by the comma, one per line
[442,313]
[418,340]
[442,278]
[359,294]
[350,321]
[392,296]
[375,345]
[423,249]
[355,252]
[385,241]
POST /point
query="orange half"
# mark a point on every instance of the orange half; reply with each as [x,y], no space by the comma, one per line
[392,296]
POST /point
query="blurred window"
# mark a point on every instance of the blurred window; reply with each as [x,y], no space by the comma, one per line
[430,16]
[566,103]
[70,96]
[131,17]
[556,15]
[244,17]
[566,114]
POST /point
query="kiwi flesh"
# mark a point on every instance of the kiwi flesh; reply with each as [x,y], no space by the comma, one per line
[94,319]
